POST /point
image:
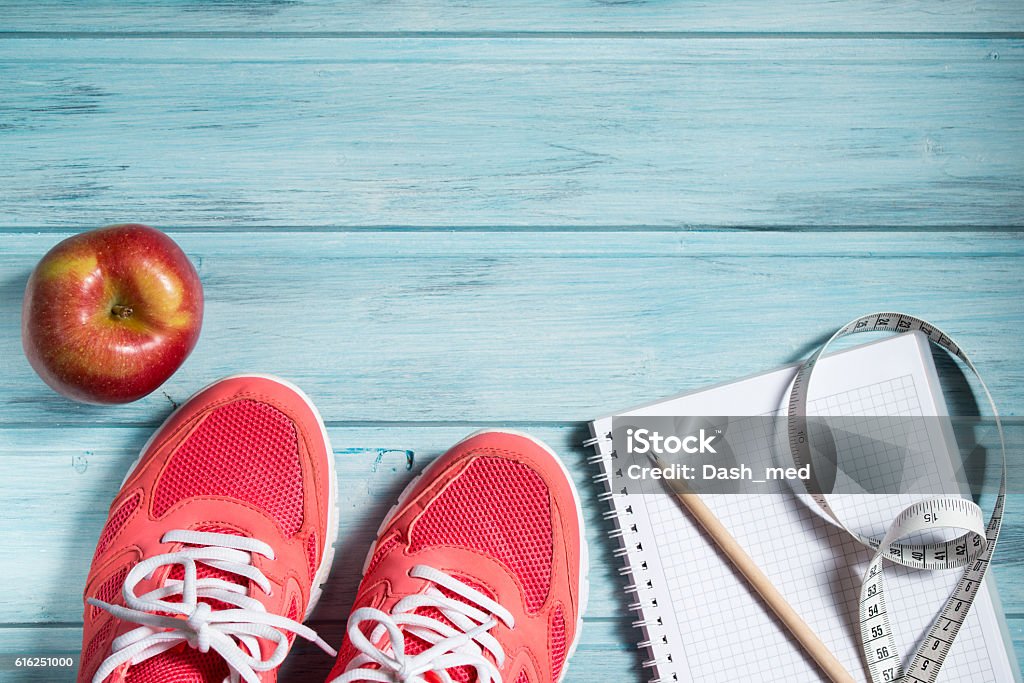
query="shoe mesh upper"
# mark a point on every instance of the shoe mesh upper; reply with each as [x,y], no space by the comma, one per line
[116,522]
[382,550]
[244,450]
[499,508]
[556,642]
[293,614]
[312,550]
[110,590]
[180,665]
[91,655]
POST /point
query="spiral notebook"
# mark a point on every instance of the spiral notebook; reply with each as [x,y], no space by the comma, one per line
[702,622]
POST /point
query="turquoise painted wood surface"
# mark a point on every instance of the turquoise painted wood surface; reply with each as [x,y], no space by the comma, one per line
[572,16]
[433,326]
[438,217]
[533,132]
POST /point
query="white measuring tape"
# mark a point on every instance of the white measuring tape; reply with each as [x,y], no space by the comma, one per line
[972,549]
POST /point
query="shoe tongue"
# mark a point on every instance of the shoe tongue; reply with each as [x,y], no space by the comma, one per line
[205,571]
[415,645]
[181,664]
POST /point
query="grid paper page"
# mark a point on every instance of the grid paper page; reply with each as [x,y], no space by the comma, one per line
[716,627]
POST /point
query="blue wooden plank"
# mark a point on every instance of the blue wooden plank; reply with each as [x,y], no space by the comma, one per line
[471,132]
[572,16]
[539,327]
[89,463]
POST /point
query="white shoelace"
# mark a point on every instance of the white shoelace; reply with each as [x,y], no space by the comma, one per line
[224,631]
[463,645]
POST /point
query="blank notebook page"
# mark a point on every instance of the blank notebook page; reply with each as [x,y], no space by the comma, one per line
[709,625]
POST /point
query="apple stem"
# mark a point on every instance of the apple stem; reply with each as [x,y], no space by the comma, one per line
[121,311]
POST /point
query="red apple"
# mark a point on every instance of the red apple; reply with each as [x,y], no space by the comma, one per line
[110,314]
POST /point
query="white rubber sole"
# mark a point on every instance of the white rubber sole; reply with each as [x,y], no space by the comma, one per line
[584,550]
[327,561]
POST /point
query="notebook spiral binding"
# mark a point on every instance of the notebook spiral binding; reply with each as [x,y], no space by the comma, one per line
[641,590]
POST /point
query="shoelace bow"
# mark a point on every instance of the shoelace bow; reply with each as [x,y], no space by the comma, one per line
[450,647]
[231,633]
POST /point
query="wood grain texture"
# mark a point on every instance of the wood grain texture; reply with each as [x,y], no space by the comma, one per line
[512,132]
[455,327]
[371,472]
[572,16]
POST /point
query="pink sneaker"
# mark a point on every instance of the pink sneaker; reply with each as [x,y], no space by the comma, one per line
[477,574]
[217,544]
